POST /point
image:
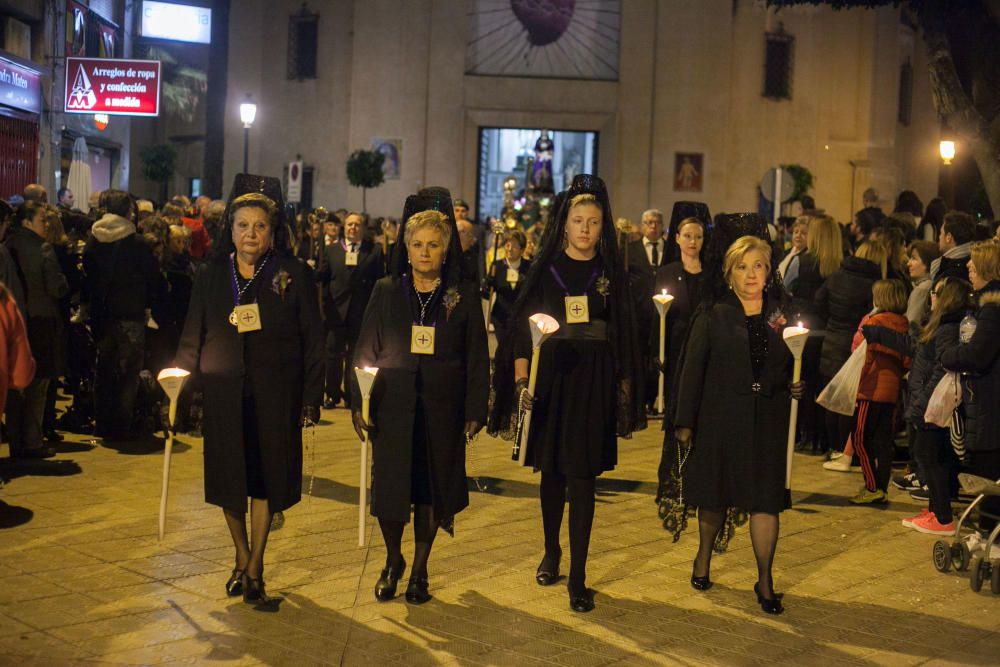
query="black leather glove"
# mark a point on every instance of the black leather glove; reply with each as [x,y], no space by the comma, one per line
[360,427]
[797,389]
[522,395]
[310,415]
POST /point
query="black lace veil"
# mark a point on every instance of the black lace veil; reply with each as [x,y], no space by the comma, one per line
[268,186]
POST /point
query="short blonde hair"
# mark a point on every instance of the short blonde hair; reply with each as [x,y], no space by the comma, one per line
[986,258]
[741,248]
[428,220]
[889,295]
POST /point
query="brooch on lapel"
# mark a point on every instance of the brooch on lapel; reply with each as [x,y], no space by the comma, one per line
[450,300]
[603,286]
[776,320]
[280,283]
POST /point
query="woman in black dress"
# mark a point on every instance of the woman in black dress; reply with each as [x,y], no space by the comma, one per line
[682,280]
[733,403]
[254,335]
[589,374]
[424,330]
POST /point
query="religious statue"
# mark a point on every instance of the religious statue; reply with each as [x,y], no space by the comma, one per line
[541,176]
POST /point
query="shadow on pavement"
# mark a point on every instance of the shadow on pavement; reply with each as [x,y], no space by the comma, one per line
[12,516]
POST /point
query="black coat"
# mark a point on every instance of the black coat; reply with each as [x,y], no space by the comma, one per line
[452,385]
[122,279]
[281,366]
[349,287]
[842,301]
[642,278]
[980,357]
[506,293]
[927,371]
[803,305]
[740,436]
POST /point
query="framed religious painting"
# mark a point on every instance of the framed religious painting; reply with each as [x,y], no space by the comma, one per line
[689,170]
[392,150]
[561,39]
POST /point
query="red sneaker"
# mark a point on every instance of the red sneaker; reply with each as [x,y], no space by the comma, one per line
[930,525]
[909,522]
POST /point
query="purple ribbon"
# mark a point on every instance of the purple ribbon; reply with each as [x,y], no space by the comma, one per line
[555,274]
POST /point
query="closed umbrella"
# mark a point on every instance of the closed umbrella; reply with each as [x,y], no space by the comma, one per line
[79,174]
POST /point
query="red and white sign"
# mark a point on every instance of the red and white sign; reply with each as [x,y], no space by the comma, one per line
[113,86]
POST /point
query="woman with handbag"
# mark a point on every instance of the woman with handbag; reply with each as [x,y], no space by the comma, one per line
[932,444]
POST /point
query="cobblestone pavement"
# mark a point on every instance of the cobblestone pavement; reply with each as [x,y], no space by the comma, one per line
[83,579]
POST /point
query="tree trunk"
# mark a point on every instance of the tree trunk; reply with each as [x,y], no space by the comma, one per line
[955,106]
[364,200]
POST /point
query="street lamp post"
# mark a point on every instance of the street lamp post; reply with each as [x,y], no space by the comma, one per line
[248,111]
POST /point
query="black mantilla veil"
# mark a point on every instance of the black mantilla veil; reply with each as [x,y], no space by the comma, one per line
[630,415]
[429,199]
[727,229]
[682,211]
[268,186]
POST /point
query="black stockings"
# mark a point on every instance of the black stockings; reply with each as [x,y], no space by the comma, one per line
[763,536]
[250,549]
[709,524]
[424,530]
[553,492]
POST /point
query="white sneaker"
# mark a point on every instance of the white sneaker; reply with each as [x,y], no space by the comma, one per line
[840,464]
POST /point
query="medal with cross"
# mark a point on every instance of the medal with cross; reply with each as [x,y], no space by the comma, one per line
[577,310]
[421,340]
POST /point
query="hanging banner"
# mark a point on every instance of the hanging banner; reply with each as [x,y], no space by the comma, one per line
[112,86]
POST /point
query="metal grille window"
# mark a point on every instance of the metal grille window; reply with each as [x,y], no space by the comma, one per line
[905,93]
[779,51]
[303,43]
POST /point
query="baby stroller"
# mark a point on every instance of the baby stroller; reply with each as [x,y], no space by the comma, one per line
[980,557]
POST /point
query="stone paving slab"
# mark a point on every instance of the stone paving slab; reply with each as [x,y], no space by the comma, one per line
[84,580]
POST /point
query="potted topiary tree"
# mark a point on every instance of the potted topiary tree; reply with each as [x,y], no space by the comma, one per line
[158,164]
[364,170]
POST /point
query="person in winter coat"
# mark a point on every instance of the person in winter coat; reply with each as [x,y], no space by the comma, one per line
[978,355]
[44,284]
[887,359]
[842,301]
[122,281]
[950,301]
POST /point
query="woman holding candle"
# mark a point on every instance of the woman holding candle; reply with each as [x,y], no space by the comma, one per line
[253,333]
[424,331]
[682,280]
[733,406]
[589,374]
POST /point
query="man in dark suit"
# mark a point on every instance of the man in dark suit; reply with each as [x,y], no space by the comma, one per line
[352,266]
[645,256]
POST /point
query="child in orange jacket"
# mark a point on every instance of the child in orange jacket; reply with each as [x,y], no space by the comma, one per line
[886,330]
[17,366]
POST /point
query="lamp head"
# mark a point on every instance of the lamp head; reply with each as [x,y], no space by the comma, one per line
[248,112]
[795,338]
[366,378]
[172,379]
[542,326]
[662,302]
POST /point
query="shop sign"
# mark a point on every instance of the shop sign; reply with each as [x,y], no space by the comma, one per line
[20,87]
[112,86]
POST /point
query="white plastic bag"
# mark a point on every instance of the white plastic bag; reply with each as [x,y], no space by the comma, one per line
[944,400]
[841,394]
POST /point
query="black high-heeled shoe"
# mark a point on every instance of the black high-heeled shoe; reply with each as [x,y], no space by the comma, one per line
[416,590]
[700,583]
[770,606]
[580,601]
[548,570]
[255,594]
[385,587]
[234,587]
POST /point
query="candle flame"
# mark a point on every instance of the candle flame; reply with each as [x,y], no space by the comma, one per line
[800,325]
[664,291]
